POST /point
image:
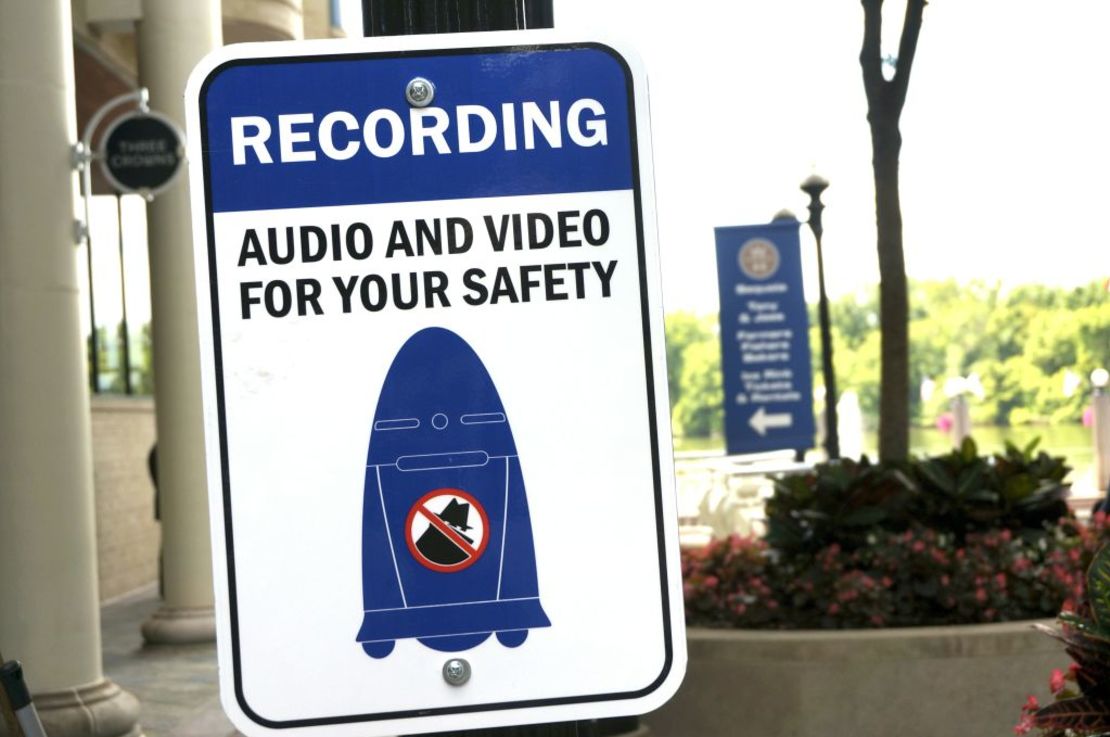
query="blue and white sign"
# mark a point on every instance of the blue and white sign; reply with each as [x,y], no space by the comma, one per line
[765,360]
[435,393]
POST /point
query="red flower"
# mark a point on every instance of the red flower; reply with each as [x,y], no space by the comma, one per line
[1028,709]
[1057,681]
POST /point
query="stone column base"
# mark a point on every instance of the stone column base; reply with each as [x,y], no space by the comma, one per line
[100,709]
[180,626]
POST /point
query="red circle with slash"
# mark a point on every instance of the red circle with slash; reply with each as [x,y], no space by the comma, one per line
[447,530]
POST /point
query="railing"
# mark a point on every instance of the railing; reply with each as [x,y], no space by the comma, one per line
[115,308]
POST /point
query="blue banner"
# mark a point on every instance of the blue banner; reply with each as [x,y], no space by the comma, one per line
[765,360]
[302,132]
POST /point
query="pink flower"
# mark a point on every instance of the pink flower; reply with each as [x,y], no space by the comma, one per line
[981,596]
[918,546]
[834,608]
[1056,682]
[711,581]
[1028,709]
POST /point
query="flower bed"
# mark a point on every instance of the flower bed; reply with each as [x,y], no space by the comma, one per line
[956,539]
[918,577]
[937,563]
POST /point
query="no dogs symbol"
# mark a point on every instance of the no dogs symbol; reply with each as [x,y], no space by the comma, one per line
[447,530]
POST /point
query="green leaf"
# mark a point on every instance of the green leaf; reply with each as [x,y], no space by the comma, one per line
[1032,446]
[1098,587]
[1085,627]
[937,475]
[968,450]
[863,517]
[1018,487]
[983,495]
[970,481]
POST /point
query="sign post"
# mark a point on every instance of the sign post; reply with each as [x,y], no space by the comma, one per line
[434,383]
[765,359]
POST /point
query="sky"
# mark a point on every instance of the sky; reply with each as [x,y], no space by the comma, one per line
[1005,166]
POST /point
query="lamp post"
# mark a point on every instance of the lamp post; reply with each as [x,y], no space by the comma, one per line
[814,186]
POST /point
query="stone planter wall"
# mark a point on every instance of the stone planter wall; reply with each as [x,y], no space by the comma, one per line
[966,681]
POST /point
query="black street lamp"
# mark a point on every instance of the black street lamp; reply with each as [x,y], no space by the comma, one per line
[814,186]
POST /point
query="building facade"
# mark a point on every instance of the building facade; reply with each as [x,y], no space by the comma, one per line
[77,505]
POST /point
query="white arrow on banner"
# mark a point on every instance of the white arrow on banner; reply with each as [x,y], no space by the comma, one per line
[761,421]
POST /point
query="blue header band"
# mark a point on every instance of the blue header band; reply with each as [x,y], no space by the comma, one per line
[520,121]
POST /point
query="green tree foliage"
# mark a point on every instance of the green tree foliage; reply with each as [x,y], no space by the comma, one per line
[694,374]
[699,410]
[1022,344]
[683,329]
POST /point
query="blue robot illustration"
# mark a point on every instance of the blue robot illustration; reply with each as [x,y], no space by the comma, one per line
[447,552]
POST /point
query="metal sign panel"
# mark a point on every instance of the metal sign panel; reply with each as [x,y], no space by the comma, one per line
[765,358]
[435,394]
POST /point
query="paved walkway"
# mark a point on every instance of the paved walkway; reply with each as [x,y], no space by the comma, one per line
[176,685]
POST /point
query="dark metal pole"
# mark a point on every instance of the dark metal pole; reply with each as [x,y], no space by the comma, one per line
[94,340]
[402,17]
[125,338]
[814,186]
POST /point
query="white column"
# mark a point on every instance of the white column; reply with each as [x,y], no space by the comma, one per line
[172,38]
[961,419]
[1100,408]
[49,610]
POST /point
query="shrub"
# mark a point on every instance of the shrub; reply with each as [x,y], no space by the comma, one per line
[956,494]
[914,577]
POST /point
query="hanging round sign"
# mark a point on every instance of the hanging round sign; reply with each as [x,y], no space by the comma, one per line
[142,153]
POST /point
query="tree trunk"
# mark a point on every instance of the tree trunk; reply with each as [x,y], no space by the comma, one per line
[885,99]
[894,392]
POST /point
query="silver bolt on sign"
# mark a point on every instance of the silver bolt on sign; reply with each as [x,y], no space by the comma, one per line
[420,92]
[456,671]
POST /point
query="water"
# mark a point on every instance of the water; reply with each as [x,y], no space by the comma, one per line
[1073,442]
